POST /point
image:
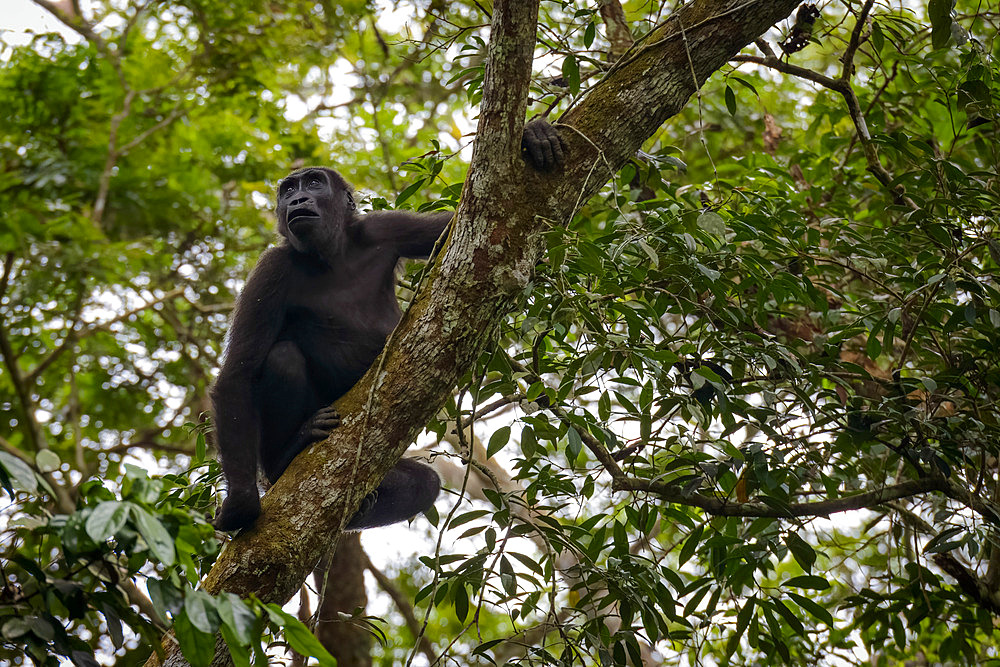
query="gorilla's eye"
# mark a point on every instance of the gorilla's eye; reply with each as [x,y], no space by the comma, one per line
[315,182]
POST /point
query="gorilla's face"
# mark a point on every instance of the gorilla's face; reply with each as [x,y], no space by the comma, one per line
[313,208]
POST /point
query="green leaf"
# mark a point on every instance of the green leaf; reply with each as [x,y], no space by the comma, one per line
[508,579]
[878,38]
[604,407]
[574,444]
[690,545]
[499,438]
[460,598]
[571,73]
[812,607]
[650,252]
[887,335]
[20,473]
[198,647]
[408,191]
[298,636]
[730,100]
[200,609]
[237,616]
[528,442]
[801,550]
[939,13]
[790,618]
[16,627]
[874,347]
[742,621]
[808,581]
[114,623]
[942,542]
[164,596]
[237,651]
[746,84]
[47,460]
[106,520]
[42,628]
[713,223]
[200,447]
[161,545]
[711,274]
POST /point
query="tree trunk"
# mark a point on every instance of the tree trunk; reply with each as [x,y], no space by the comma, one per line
[343,587]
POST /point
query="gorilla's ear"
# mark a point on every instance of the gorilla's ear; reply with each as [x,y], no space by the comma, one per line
[350,202]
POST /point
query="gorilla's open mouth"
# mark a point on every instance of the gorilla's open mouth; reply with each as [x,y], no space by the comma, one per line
[301,215]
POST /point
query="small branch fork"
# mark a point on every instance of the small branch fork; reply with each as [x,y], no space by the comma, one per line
[842,86]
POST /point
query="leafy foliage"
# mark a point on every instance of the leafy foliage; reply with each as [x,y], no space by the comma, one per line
[747,411]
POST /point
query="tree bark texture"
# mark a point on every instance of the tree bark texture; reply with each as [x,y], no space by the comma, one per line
[488,259]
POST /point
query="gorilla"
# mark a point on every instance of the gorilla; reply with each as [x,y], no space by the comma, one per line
[314,315]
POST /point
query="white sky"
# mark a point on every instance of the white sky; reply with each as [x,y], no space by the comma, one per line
[19,16]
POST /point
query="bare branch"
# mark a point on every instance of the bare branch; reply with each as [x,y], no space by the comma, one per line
[856,38]
[724,507]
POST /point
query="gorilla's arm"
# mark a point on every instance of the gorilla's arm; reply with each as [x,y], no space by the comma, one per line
[410,234]
[255,326]
[414,235]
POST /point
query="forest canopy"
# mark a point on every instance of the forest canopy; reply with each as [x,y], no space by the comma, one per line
[723,389]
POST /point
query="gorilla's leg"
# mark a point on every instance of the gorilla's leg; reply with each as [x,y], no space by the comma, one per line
[288,405]
[409,489]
